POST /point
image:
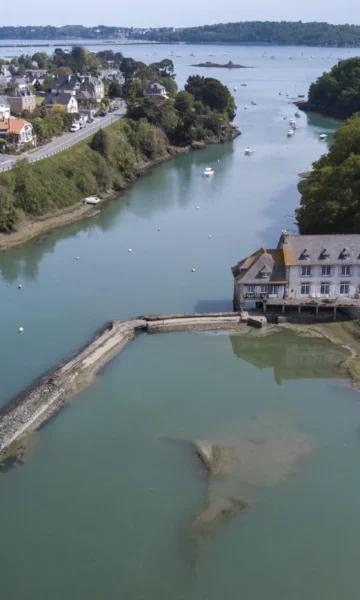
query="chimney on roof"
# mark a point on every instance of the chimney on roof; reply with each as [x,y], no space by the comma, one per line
[284,238]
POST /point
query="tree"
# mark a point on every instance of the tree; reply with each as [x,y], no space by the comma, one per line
[184,102]
[212,93]
[8,213]
[100,143]
[330,201]
[115,89]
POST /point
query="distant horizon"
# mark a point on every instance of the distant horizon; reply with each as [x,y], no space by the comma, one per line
[172,26]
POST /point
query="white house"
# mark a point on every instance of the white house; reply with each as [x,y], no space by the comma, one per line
[67,101]
[156,89]
[4,109]
[302,266]
[21,130]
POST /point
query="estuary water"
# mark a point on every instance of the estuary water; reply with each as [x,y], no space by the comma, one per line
[105,503]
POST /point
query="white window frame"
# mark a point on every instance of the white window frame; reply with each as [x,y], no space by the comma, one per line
[325,270]
[325,284]
[273,290]
[345,270]
[305,285]
[343,285]
[306,271]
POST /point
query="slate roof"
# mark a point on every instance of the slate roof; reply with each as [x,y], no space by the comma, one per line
[63,99]
[264,266]
[332,249]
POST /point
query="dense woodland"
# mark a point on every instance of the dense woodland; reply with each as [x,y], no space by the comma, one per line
[264,32]
[337,93]
[330,200]
[250,32]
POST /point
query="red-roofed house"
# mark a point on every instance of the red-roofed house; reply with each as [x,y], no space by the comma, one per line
[17,131]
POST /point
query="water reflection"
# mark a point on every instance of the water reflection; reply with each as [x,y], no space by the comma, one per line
[290,355]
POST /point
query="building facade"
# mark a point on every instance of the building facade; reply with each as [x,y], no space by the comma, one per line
[22,102]
[17,132]
[4,108]
[302,266]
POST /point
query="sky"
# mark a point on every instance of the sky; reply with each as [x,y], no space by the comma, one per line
[156,13]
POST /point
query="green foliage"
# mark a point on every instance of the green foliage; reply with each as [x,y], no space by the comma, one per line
[338,92]
[261,32]
[101,143]
[115,90]
[330,200]
[8,214]
[212,93]
[92,167]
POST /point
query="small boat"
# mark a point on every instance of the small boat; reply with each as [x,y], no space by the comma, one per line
[235,89]
[92,200]
[323,136]
[208,172]
[253,103]
[244,85]
[248,151]
[245,107]
[297,115]
[290,133]
[292,123]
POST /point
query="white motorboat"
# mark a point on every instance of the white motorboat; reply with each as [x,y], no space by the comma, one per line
[323,136]
[253,103]
[292,124]
[248,151]
[208,172]
[290,133]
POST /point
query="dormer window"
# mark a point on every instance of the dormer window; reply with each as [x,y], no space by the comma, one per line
[344,253]
[324,254]
[264,272]
[304,255]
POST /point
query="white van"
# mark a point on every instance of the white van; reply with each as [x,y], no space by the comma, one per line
[75,127]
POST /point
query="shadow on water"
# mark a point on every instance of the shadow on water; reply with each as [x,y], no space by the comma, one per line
[290,355]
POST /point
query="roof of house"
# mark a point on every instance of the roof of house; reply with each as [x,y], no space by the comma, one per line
[264,266]
[155,87]
[13,125]
[329,249]
[63,98]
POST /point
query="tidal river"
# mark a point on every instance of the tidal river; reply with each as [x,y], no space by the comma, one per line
[109,499]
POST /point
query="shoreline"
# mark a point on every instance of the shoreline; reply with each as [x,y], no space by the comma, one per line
[30,229]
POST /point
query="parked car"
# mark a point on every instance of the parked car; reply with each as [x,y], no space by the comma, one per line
[103,113]
[74,127]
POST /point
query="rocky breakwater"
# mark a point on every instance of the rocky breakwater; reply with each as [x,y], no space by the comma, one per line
[47,395]
[34,406]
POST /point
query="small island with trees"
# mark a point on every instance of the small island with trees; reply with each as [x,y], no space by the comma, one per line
[228,65]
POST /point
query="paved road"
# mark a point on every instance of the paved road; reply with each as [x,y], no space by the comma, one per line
[63,142]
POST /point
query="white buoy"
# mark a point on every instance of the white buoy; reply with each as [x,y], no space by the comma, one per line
[19,286]
[21,330]
[193,270]
[158,229]
[77,257]
[210,236]
[129,250]
[198,208]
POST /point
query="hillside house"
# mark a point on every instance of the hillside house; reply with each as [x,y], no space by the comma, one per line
[4,109]
[67,101]
[17,132]
[155,90]
[20,102]
[301,267]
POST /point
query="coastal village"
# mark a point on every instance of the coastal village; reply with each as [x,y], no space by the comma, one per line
[32,97]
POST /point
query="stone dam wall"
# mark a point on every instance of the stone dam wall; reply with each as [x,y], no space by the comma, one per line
[33,407]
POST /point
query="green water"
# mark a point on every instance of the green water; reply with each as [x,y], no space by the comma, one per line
[104,504]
